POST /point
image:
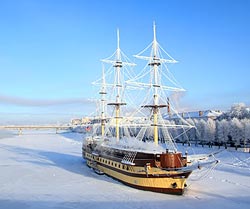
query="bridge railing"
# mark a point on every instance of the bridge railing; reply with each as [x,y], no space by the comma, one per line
[20,128]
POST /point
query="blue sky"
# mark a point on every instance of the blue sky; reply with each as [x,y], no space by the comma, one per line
[50,50]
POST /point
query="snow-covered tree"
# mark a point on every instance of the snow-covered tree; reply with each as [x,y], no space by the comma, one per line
[231,127]
[222,131]
[197,133]
[201,128]
[239,111]
[192,132]
[236,130]
[210,130]
[246,131]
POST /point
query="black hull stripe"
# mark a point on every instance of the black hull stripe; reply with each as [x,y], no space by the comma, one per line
[184,174]
[138,162]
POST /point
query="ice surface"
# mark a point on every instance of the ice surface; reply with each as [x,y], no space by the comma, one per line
[45,170]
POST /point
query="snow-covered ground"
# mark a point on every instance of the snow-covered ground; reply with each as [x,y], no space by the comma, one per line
[45,170]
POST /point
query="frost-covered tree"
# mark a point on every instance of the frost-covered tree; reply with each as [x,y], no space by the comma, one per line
[239,111]
[210,130]
[231,127]
[246,131]
[235,132]
[217,132]
[192,132]
[222,131]
[197,132]
[201,128]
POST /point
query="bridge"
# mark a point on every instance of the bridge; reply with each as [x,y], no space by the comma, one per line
[20,128]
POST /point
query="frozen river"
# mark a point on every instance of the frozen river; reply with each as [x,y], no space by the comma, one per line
[45,170]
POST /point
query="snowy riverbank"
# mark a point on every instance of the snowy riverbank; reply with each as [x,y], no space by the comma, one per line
[45,170]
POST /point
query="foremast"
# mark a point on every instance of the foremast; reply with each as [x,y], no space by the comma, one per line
[103,93]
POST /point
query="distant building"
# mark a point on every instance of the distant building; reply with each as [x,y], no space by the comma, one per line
[80,121]
[76,121]
[213,114]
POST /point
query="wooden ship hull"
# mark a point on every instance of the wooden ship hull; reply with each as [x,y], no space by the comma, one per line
[164,173]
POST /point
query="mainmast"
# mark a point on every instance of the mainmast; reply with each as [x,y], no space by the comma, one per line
[160,81]
[154,63]
[118,64]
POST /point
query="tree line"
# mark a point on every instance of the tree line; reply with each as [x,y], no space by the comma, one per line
[232,128]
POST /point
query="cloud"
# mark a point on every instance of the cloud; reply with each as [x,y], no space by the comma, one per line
[20,101]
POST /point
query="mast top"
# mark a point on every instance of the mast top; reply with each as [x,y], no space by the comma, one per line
[154,41]
[154,29]
[118,51]
[103,84]
[118,38]
[118,57]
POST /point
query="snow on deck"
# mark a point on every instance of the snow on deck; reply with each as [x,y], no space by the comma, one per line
[45,170]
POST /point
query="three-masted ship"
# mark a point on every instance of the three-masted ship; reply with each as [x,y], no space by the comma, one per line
[145,158]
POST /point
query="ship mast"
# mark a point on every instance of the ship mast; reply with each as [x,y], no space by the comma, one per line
[117,64]
[154,63]
[103,102]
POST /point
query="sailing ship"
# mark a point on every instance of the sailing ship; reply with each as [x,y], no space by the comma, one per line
[147,157]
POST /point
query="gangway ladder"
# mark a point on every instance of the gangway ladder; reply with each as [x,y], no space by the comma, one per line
[129,158]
